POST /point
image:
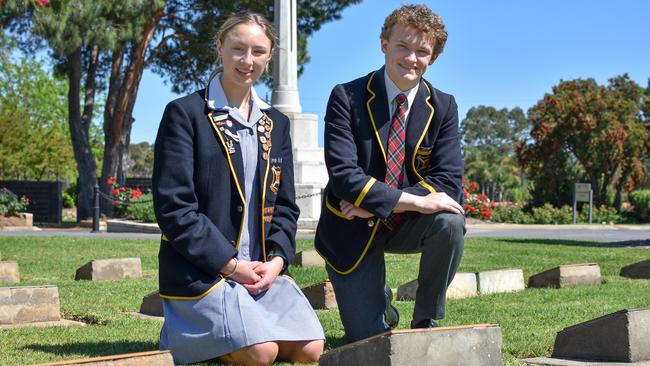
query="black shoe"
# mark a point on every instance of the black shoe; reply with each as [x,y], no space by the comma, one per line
[391,315]
[424,324]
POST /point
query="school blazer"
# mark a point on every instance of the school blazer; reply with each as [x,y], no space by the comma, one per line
[198,196]
[357,124]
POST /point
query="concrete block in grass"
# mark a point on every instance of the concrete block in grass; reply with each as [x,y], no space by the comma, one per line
[476,345]
[637,270]
[29,304]
[110,269]
[9,272]
[570,275]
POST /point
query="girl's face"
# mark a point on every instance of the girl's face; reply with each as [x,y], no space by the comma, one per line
[245,52]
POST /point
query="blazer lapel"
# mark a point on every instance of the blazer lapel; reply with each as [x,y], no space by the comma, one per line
[419,120]
[231,150]
[377,106]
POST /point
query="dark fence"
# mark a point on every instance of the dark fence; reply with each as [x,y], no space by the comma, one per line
[44,198]
[143,183]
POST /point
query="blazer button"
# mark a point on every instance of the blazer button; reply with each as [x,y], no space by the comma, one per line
[240,209]
[232,242]
[371,223]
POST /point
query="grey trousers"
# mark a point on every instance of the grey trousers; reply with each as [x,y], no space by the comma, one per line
[360,294]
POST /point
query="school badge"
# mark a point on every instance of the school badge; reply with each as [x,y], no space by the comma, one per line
[275,182]
[422,159]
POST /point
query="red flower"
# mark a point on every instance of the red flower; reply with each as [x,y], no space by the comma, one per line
[124,189]
[42,3]
[136,193]
[111,180]
[115,192]
[473,186]
[482,197]
[465,194]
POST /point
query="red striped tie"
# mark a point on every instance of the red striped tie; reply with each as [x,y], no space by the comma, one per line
[396,153]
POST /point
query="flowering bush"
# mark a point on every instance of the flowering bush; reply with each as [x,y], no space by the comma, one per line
[509,212]
[11,203]
[477,205]
[122,196]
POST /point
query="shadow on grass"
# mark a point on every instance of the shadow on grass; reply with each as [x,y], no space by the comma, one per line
[582,243]
[95,349]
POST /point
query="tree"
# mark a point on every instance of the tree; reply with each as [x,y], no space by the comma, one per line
[140,160]
[583,130]
[488,137]
[122,37]
[34,137]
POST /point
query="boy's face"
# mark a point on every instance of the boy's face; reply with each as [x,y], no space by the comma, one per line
[408,52]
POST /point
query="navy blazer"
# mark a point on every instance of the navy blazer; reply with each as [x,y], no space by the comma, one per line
[357,124]
[198,194]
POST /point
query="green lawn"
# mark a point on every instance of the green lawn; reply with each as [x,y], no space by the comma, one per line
[529,319]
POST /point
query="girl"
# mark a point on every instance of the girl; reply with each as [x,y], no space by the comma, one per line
[225,202]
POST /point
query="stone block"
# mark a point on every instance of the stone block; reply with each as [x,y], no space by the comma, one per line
[110,269]
[9,272]
[637,270]
[308,258]
[152,304]
[407,291]
[476,345]
[462,286]
[152,358]
[567,276]
[623,336]
[501,280]
[29,304]
[321,295]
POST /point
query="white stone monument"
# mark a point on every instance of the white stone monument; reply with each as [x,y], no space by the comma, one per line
[308,160]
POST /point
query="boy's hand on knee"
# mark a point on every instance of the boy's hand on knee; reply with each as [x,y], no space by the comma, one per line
[431,203]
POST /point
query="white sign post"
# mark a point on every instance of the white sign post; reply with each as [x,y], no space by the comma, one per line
[582,193]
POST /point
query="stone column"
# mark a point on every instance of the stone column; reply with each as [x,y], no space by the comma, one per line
[309,165]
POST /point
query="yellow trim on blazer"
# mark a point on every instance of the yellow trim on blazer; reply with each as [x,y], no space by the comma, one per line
[427,186]
[426,128]
[163,237]
[363,254]
[234,175]
[266,174]
[364,191]
[372,119]
[334,210]
[221,281]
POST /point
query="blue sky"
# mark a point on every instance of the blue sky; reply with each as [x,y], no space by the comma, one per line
[502,53]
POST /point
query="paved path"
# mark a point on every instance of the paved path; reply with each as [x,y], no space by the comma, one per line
[607,233]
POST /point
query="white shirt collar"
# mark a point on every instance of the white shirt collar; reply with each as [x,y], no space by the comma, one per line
[392,90]
[216,98]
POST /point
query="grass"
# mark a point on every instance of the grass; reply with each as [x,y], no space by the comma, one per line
[529,319]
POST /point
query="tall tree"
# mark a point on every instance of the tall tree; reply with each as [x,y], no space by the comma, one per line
[489,136]
[122,38]
[140,160]
[34,137]
[586,130]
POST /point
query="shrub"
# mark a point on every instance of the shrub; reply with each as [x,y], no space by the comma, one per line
[640,200]
[122,196]
[141,209]
[68,201]
[10,203]
[548,214]
[511,213]
[602,214]
[477,205]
